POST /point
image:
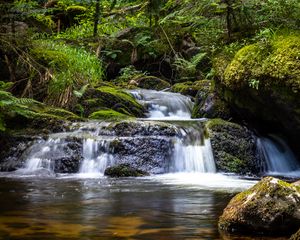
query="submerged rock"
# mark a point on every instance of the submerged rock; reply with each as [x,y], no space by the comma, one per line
[124,170]
[271,207]
[234,147]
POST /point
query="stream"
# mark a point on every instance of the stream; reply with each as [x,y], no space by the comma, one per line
[181,199]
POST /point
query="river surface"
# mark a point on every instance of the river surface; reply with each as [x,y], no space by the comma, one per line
[170,206]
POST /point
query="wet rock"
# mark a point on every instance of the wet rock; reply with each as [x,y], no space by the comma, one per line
[271,207]
[295,236]
[11,150]
[234,147]
[149,154]
[146,128]
[124,170]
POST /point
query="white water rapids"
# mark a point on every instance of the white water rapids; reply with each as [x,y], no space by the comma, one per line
[192,159]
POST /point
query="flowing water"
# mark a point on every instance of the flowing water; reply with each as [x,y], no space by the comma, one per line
[279,158]
[183,203]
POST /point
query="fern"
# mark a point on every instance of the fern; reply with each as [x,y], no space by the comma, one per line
[188,68]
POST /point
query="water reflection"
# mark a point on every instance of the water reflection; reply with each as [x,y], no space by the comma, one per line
[107,209]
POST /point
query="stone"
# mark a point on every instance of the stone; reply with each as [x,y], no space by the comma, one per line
[124,170]
[271,207]
[234,147]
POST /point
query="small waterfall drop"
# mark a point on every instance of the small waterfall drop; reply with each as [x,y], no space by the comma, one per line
[279,158]
[164,105]
[96,156]
[194,158]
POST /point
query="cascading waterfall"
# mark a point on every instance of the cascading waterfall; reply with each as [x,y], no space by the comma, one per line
[96,156]
[278,157]
[164,105]
[192,152]
[87,148]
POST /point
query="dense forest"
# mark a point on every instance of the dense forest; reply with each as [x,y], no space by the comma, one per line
[234,63]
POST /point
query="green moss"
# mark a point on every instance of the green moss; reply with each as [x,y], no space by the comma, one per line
[232,163]
[219,124]
[273,63]
[108,114]
[76,9]
[191,88]
[151,82]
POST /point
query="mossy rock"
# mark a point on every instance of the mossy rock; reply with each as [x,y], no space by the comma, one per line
[272,63]
[150,82]
[108,115]
[191,88]
[263,75]
[271,207]
[107,97]
[234,147]
[124,170]
[208,103]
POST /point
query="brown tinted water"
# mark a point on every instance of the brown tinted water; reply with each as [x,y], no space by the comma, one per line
[74,208]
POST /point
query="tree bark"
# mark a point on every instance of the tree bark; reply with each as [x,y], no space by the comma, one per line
[96,19]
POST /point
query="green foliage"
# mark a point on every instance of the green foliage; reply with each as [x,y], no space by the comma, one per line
[12,107]
[70,68]
[129,73]
[188,68]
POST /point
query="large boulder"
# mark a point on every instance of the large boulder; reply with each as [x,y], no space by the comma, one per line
[234,147]
[271,207]
[265,74]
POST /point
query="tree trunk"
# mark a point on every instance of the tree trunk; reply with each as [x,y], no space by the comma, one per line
[96,19]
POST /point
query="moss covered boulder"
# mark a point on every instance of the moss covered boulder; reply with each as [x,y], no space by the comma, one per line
[151,82]
[271,207]
[109,101]
[191,88]
[208,104]
[124,170]
[234,147]
[266,74]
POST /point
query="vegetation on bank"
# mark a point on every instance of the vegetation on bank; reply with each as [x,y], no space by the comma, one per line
[60,52]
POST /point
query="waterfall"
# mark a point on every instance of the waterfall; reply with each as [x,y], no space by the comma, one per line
[193,158]
[40,154]
[96,156]
[192,153]
[87,148]
[278,157]
[164,105]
